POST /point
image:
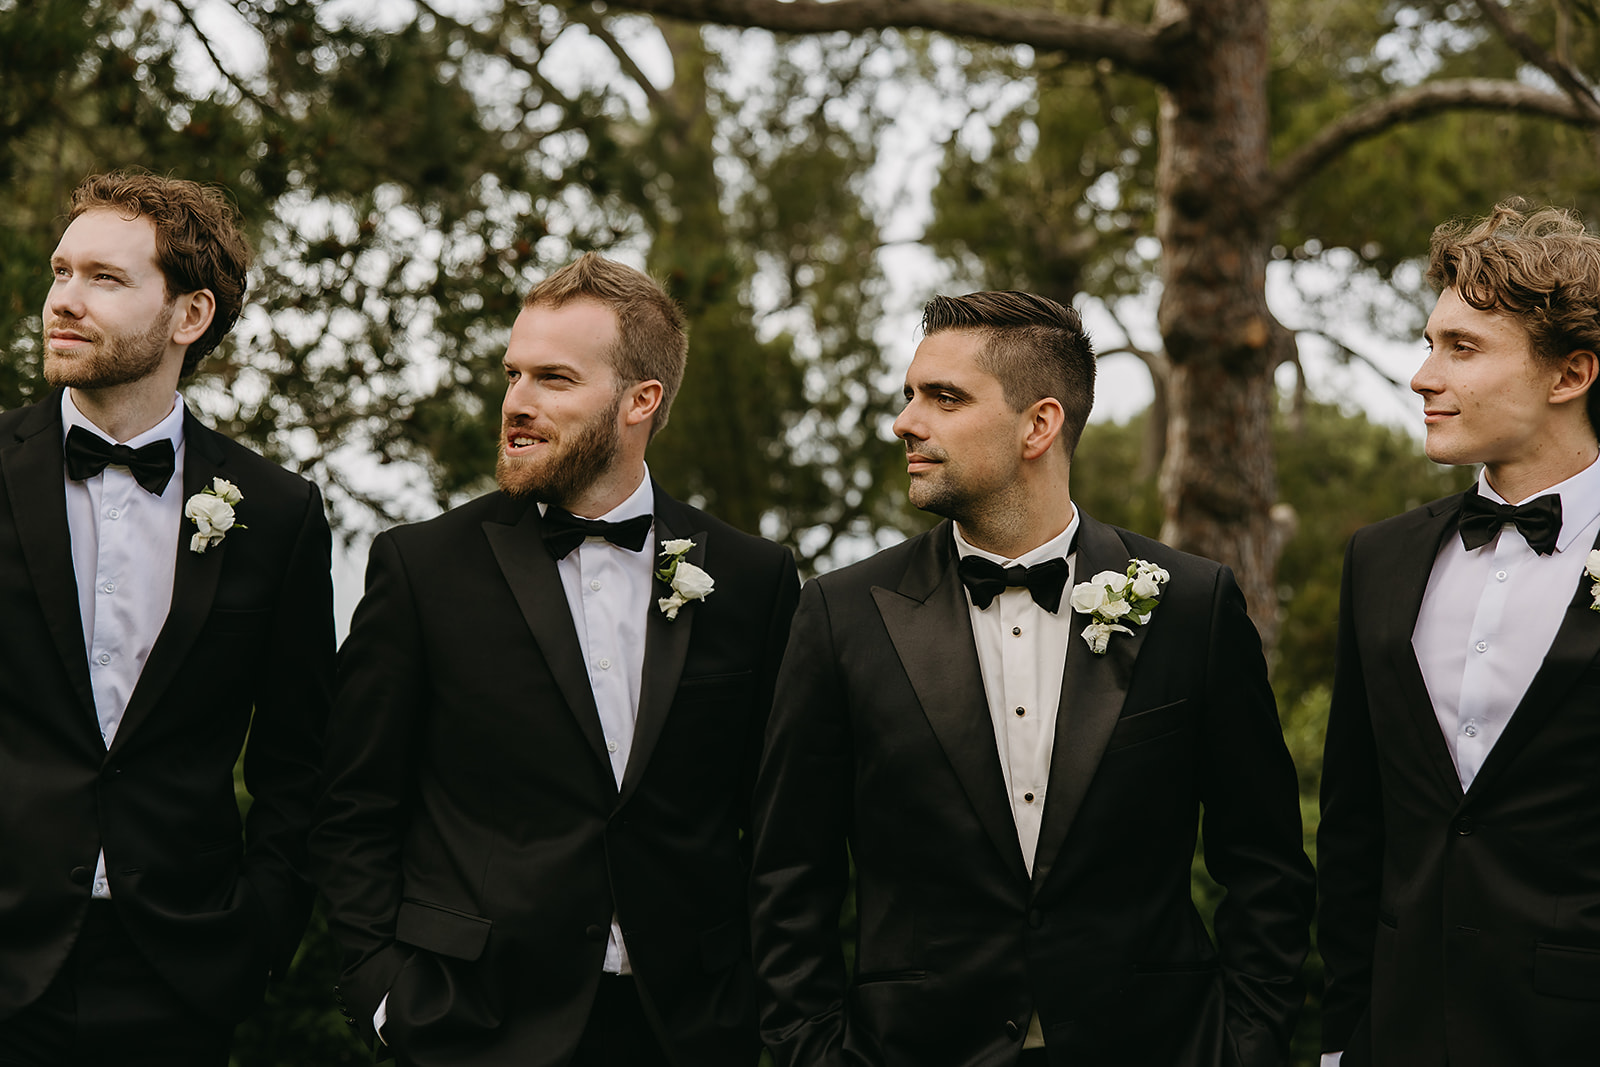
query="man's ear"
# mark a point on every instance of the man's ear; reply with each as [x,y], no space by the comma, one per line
[1046,420]
[1577,377]
[194,314]
[641,402]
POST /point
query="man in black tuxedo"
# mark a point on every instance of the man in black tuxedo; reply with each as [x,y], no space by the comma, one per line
[1459,848]
[549,712]
[1019,776]
[145,633]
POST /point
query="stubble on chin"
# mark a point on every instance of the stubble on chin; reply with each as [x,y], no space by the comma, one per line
[110,362]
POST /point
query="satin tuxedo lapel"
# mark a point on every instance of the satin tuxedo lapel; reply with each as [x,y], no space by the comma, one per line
[194,582]
[1093,689]
[35,481]
[1405,581]
[666,642]
[531,573]
[1576,646]
[927,620]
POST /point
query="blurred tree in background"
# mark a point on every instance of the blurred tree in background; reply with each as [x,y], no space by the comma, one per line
[407,169]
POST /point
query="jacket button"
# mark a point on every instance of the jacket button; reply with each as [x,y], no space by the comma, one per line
[1013,1031]
[80,875]
[595,932]
[1464,825]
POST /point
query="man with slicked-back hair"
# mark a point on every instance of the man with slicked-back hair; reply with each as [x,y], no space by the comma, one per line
[1459,848]
[534,838]
[164,591]
[1015,722]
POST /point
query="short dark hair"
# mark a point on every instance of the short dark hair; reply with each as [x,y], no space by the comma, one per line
[1034,346]
[652,342]
[1541,267]
[199,243]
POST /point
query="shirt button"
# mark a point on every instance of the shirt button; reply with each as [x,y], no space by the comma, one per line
[611,746]
[1028,797]
[1022,711]
[110,587]
[1482,646]
[605,664]
[1471,729]
[1016,631]
[104,658]
[1500,575]
[113,513]
[595,585]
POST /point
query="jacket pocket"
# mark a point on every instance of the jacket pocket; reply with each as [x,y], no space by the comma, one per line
[442,930]
[1566,971]
[1148,725]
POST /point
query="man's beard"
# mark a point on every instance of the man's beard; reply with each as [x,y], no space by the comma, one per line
[568,468]
[115,360]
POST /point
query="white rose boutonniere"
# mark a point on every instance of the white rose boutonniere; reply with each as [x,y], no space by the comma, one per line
[212,511]
[1592,569]
[686,581]
[1112,598]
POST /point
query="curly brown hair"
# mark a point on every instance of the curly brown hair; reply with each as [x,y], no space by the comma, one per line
[199,244]
[1541,267]
[652,341]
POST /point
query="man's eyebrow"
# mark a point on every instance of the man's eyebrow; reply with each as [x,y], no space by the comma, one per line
[1453,333]
[92,267]
[941,387]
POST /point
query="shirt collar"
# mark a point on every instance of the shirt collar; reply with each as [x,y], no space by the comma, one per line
[1059,546]
[1580,501]
[169,428]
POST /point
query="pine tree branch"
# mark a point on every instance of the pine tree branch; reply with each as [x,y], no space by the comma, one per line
[1561,73]
[1410,105]
[1087,37]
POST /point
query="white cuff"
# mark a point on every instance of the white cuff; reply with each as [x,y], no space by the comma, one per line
[1330,1059]
[381,1016]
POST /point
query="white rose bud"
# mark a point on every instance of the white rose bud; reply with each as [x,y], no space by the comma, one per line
[211,514]
[1115,609]
[226,490]
[677,547]
[1146,586]
[692,583]
[1087,597]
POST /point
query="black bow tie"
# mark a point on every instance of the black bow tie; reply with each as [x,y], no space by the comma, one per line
[88,454]
[1539,521]
[564,531]
[986,579]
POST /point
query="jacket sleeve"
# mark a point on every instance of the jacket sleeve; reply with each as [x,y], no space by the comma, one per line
[801,871]
[1254,841]
[281,760]
[1350,839]
[368,772]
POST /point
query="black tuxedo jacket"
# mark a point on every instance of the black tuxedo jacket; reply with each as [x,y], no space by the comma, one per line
[881,735]
[474,844]
[1456,927]
[250,627]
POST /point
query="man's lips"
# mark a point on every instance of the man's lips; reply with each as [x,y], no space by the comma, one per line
[916,462]
[66,339]
[1433,415]
[519,443]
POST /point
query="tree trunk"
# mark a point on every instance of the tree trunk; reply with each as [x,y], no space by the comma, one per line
[1219,480]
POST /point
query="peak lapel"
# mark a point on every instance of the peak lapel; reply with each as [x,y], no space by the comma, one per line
[1406,577]
[927,620]
[666,643]
[35,480]
[1093,688]
[1576,646]
[194,581]
[531,573]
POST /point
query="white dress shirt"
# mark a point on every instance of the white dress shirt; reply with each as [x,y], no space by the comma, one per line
[608,593]
[1490,614]
[1022,652]
[124,553]
[1488,617]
